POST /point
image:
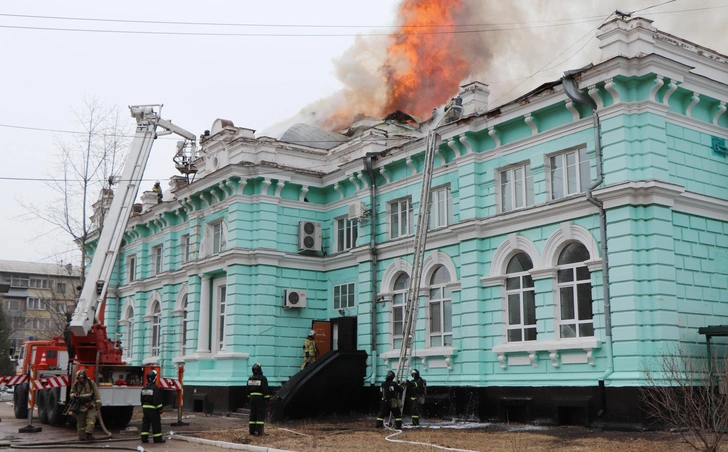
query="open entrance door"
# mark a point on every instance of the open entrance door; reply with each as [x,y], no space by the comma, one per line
[344,333]
[323,336]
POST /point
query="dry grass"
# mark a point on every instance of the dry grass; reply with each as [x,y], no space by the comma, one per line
[310,436]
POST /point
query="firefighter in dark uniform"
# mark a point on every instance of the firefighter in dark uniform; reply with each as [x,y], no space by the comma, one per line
[259,395]
[152,407]
[390,391]
[417,389]
[86,400]
[158,190]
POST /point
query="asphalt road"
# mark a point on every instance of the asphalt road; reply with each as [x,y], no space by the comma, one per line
[65,438]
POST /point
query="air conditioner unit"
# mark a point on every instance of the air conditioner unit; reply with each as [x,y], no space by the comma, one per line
[356,210]
[309,236]
[294,298]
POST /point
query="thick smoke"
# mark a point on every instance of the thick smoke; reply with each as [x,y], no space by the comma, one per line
[511,46]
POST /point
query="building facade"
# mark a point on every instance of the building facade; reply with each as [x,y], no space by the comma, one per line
[530,206]
[37,299]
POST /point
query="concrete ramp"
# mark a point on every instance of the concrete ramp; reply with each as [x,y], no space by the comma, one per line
[332,384]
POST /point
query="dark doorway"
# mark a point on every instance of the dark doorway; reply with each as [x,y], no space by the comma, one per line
[344,334]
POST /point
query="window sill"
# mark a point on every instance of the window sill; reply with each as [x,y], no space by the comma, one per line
[439,357]
[587,344]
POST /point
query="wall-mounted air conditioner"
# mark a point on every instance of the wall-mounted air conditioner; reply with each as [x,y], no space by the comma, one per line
[309,236]
[294,298]
[356,210]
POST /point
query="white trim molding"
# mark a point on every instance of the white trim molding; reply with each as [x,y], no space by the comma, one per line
[532,348]
[432,358]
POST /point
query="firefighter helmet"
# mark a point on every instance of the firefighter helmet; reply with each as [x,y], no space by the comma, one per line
[81,374]
[390,376]
[257,370]
[151,376]
[415,373]
[312,333]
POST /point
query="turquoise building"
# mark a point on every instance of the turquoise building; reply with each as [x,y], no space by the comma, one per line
[531,205]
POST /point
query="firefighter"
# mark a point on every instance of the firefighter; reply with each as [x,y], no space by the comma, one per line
[418,389]
[152,407]
[85,401]
[259,395]
[309,349]
[390,391]
[158,190]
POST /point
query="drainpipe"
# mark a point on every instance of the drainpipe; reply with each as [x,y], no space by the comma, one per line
[572,91]
[373,253]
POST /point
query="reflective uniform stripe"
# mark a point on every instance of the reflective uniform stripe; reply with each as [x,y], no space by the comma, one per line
[257,393]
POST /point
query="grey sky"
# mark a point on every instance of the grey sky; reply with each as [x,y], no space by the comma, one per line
[256,81]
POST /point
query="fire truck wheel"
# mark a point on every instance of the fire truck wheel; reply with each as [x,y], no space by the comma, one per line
[41,404]
[55,411]
[20,401]
[116,416]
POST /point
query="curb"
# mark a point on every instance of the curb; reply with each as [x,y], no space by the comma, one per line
[225,445]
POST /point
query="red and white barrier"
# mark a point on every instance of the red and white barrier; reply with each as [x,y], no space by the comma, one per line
[52,382]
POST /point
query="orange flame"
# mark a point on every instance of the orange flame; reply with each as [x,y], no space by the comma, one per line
[424,67]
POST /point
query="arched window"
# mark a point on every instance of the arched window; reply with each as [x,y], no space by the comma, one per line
[185,322]
[575,299]
[440,309]
[156,328]
[521,301]
[129,333]
[399,297]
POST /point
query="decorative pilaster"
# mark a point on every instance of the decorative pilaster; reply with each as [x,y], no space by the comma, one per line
[203,336]
[694,100]
[671,88]
[494,135]
[659,83]
[721,110]
[574,112]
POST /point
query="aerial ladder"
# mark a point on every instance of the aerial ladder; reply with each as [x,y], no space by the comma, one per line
[48,366]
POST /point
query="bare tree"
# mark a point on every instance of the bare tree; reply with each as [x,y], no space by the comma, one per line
[83,167]
[683,393]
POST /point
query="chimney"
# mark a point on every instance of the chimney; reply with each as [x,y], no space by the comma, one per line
[475,98]
[626,37]
[149,200]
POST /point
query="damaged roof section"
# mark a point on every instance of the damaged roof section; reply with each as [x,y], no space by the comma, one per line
[308,135]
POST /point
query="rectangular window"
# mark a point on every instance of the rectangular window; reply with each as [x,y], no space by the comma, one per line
[157,260]
[185,248]
[440,207]
[131,267]
[400,218]
[20,282]
[516,187]
[346,234]
[569,173]
[398,319]
[344,296]
[218,238]
[61,288]
[37,303]
[39,283]
[13,305]
[440,317]
[521,309]
[222,293]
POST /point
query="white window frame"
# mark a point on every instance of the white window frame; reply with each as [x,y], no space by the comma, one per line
[131,268]
[574,284]
[399,300]
[438,331]
[347,231]
[21,282]
[157,259]
[185,323]
[440,207]
[515,182]
[396,215]
[39,283]
[156,338]
[37,304]
[185,248]
[518,292]
[128,322]
[344,296]
[219,320]
[219,238]
[572,178]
